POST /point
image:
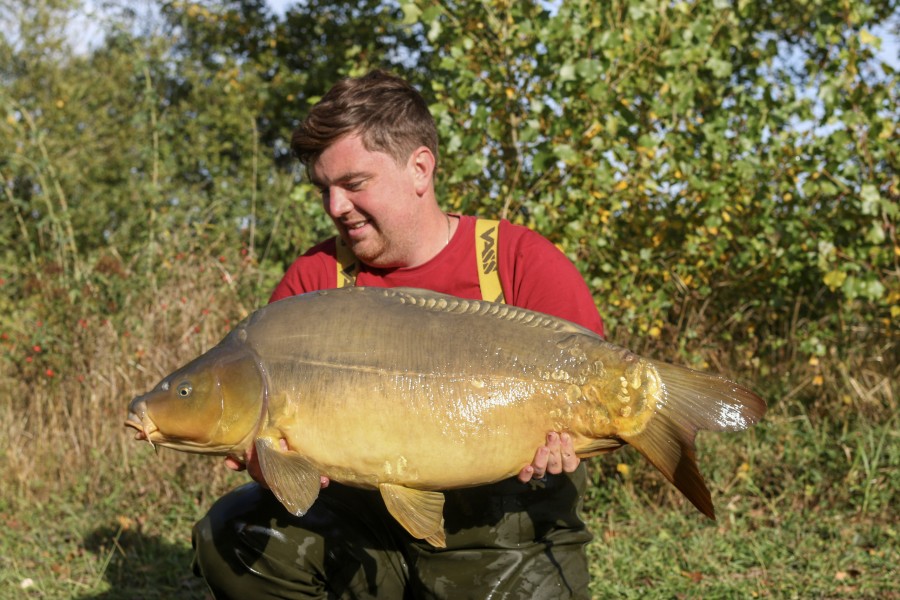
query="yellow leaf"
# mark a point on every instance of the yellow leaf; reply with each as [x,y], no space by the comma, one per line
[125,522]
[593,130]
[818,380]
[867,38]
[834,279]
[604,215]
[621,186]
[623,469]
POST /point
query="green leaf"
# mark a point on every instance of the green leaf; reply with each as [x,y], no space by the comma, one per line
[871,199]
[875,234]
[720,68]
[411,13]
[588,68]
[565,153]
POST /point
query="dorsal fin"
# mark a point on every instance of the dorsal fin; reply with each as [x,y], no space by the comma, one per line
[435,301]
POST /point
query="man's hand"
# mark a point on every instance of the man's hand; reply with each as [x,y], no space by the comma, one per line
[252,466]
[556,456]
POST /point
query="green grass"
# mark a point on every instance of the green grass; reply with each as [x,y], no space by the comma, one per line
[806,501]
[123,531]
[784,529]
[133,542]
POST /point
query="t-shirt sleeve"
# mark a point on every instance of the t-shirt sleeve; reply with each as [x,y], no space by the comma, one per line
[315,270]
[536,275]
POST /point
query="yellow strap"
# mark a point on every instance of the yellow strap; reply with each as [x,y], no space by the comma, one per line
[347,265]
[486,250]
[486,247]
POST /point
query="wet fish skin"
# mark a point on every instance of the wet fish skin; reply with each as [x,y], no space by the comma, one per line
[413,392]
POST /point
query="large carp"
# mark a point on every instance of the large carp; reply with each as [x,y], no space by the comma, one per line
[412,392]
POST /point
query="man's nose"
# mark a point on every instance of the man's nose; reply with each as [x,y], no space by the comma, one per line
[337,203]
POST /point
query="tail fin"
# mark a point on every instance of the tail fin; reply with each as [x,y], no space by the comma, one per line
[692,401]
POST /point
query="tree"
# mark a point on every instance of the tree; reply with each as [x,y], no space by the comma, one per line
[723,173]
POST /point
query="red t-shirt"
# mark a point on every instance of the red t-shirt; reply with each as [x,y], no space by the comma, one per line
[534,274]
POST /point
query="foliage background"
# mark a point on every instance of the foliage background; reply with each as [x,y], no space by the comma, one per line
[723,173]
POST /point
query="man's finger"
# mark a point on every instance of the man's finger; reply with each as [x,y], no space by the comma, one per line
[554,458]
[526,474]
[539,464]
[570,460]
[234,464]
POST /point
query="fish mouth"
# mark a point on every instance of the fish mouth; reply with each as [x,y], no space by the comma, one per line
[144,431]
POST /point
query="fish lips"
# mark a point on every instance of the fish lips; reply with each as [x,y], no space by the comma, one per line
[137,418]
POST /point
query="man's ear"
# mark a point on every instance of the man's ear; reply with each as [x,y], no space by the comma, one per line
[422,162]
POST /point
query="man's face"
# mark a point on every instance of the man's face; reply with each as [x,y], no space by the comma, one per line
[372,200]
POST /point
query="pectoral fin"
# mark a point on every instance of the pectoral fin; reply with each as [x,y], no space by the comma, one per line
[421,513]
[293,480]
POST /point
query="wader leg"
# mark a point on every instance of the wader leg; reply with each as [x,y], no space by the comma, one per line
[249,546]
[490,549]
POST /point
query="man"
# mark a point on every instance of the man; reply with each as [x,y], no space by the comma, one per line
[370,146]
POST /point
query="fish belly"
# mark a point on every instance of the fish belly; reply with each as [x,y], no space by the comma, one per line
[427,433]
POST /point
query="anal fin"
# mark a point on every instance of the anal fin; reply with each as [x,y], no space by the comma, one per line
[421,513]
[598,446]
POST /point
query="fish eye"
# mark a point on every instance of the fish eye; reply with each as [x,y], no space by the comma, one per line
[184,390]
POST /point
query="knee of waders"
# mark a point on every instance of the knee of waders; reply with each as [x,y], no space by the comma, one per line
[231,537]
[249,546]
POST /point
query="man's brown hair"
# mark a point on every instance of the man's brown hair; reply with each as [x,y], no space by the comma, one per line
[386,111]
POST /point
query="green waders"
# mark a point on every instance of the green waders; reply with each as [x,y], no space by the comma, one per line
[505,540]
